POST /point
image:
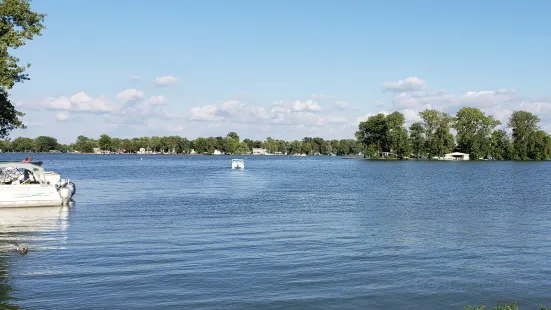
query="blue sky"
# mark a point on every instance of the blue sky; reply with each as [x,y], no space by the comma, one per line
[284,69]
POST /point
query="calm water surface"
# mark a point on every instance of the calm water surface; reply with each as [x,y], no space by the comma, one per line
[175,232]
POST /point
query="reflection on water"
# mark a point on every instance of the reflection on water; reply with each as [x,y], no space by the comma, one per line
[25,226]
[28,224]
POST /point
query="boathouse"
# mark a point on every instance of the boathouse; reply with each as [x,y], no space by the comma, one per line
[456,156]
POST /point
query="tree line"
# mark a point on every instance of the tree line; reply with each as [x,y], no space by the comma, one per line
[476,134]
[229,144]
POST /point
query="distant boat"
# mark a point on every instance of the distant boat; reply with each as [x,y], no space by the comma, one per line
[237,164]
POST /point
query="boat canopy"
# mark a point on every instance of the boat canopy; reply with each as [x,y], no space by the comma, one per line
[21,165]
[38,172]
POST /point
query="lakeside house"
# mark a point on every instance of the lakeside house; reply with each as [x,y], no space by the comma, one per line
[456,156]
[259,151]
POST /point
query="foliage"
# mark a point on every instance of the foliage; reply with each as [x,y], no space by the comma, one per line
[174,144]
[474,130]
[523,124]
[500,145]
[18,24]
[105,142]
[373,132]
[438,139]
[417,138]
[45,144]
[385,133]
[9,117]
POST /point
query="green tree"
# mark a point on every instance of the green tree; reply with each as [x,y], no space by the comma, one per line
[233,135]
[4,145]
[523,124]
[105,142]
[231,145]
[116,144]
[374,132]
[270,145]
[438,139]
[22,144]
[417,138]
[211,145]
[500,145]
[539,146]
[397,135]
[474,129]
[45,144]
[9,116]
[201,145]
[155,144]
[294,147]
[85,145]
[250,143]
[185,146]
[243,148]
[18,25]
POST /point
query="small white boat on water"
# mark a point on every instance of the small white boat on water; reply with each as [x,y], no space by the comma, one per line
[237,164]
[25,184]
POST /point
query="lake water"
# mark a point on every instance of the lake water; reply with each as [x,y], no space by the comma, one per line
[175,232]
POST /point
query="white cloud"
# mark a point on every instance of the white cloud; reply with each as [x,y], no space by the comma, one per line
[409,84]
[298,113]
[205,113]
[368,115]
[308,105]
[79,102]
[229,111]
[157,100]
[135,77]
[62,116]
[444,100]
[341,105]
[165,80]
[411,116]
[129,95]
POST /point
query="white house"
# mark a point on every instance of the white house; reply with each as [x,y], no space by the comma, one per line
[456,156]
[259,151]
[217,152]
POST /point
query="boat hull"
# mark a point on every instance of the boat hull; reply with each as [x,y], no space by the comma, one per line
[29,196]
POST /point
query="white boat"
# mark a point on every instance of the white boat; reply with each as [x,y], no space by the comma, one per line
[29,185]
[237,164]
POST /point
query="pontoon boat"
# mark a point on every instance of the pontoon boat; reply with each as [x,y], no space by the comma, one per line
[238,164]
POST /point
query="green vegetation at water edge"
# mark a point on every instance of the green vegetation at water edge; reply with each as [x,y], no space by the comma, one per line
[230,144]
[476,134]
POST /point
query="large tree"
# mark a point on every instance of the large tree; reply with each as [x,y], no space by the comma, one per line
[105,142]
[436,125]
[474,129]
[523,124]
[500,145]
[18,25]
[397,135]
[45,144]
[417,138]
[373,133]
